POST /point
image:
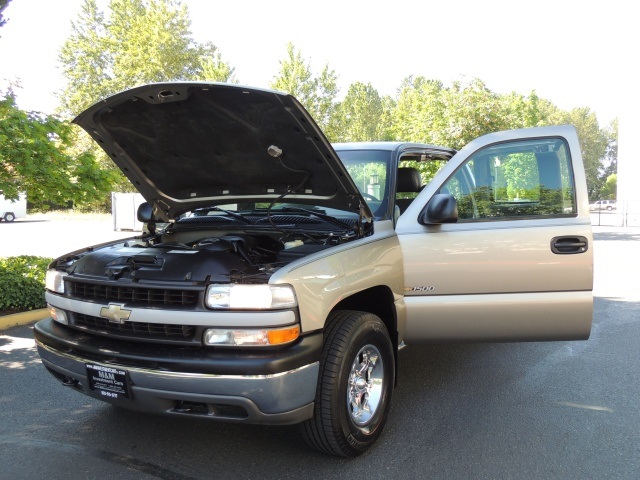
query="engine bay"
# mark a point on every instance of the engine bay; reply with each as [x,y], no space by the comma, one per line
[210,249]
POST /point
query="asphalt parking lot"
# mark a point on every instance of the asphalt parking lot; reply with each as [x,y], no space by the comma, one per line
[52,235]
[561,410]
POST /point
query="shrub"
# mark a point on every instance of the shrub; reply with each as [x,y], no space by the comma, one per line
[22,282]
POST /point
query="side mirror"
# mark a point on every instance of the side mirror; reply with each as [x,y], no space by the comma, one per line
[145,212]
[145,215]
[442,208]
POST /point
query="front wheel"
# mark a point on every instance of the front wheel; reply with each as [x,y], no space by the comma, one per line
[355,384]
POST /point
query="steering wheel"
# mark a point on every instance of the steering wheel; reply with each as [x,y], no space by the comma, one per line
[371,198]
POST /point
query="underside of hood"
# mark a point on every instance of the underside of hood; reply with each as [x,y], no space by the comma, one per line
[190,145]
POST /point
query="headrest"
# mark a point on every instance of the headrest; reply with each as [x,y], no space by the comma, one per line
[409,180]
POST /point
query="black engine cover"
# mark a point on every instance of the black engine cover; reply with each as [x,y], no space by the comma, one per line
[166,263]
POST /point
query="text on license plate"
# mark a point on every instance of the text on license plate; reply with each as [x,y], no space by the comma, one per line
[110,382]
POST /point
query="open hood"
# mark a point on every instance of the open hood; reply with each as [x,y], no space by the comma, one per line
[190,145]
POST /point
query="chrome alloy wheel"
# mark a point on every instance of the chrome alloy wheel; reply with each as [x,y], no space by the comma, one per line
[365,387]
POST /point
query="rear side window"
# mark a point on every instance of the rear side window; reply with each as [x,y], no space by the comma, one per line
[511,180]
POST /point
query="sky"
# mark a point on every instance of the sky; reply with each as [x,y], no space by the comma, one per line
[573,53]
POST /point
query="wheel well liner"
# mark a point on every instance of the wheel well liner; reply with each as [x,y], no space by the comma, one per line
[379,301]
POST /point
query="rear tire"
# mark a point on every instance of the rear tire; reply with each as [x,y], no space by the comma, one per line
[9,217]
[355,384]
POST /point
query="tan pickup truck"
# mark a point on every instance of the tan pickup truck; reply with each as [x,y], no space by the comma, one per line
[280,275]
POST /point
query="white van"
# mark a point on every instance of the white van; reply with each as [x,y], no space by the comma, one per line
[12,209]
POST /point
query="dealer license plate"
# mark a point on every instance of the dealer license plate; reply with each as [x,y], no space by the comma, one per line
[110,382]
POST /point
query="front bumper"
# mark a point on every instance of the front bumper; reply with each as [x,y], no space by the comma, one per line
[276,387]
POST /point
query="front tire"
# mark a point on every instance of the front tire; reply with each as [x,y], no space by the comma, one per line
[355,384]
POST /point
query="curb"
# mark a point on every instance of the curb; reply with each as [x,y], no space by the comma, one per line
[23,318]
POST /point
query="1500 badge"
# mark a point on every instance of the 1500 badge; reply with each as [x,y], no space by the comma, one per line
[425,288]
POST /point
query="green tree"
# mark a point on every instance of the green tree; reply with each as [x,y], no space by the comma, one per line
[427,111]
[359,116]
[610,187]
[610,161]
[386,120]
[470,111]
[593,143]
[85,61]
[418,115]
[605,186]
[519,111]
[35,156]
[317,94]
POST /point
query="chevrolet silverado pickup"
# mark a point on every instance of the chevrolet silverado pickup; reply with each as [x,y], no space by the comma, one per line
[279,275]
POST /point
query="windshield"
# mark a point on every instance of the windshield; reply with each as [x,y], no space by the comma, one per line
[369,170]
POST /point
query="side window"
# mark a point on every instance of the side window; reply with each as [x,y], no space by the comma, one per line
[415,170]
[512,180]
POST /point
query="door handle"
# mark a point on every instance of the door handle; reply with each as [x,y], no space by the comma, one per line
[569,245]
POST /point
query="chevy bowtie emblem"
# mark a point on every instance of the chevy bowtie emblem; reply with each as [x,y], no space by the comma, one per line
[115,313]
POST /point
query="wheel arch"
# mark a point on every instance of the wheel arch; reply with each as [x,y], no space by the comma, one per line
[378,300]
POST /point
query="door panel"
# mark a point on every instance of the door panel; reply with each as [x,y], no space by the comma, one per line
[508,258]
[518,264]
[499,318]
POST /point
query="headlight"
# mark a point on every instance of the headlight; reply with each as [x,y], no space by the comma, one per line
[251,337]
[54,281]
[250,297]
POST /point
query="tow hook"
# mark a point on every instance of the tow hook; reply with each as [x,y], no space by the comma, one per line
[70,382]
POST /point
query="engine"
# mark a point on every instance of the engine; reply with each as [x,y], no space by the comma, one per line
[240,258]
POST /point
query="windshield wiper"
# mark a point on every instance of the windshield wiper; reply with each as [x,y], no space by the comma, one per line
[235,215]
[318,214]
